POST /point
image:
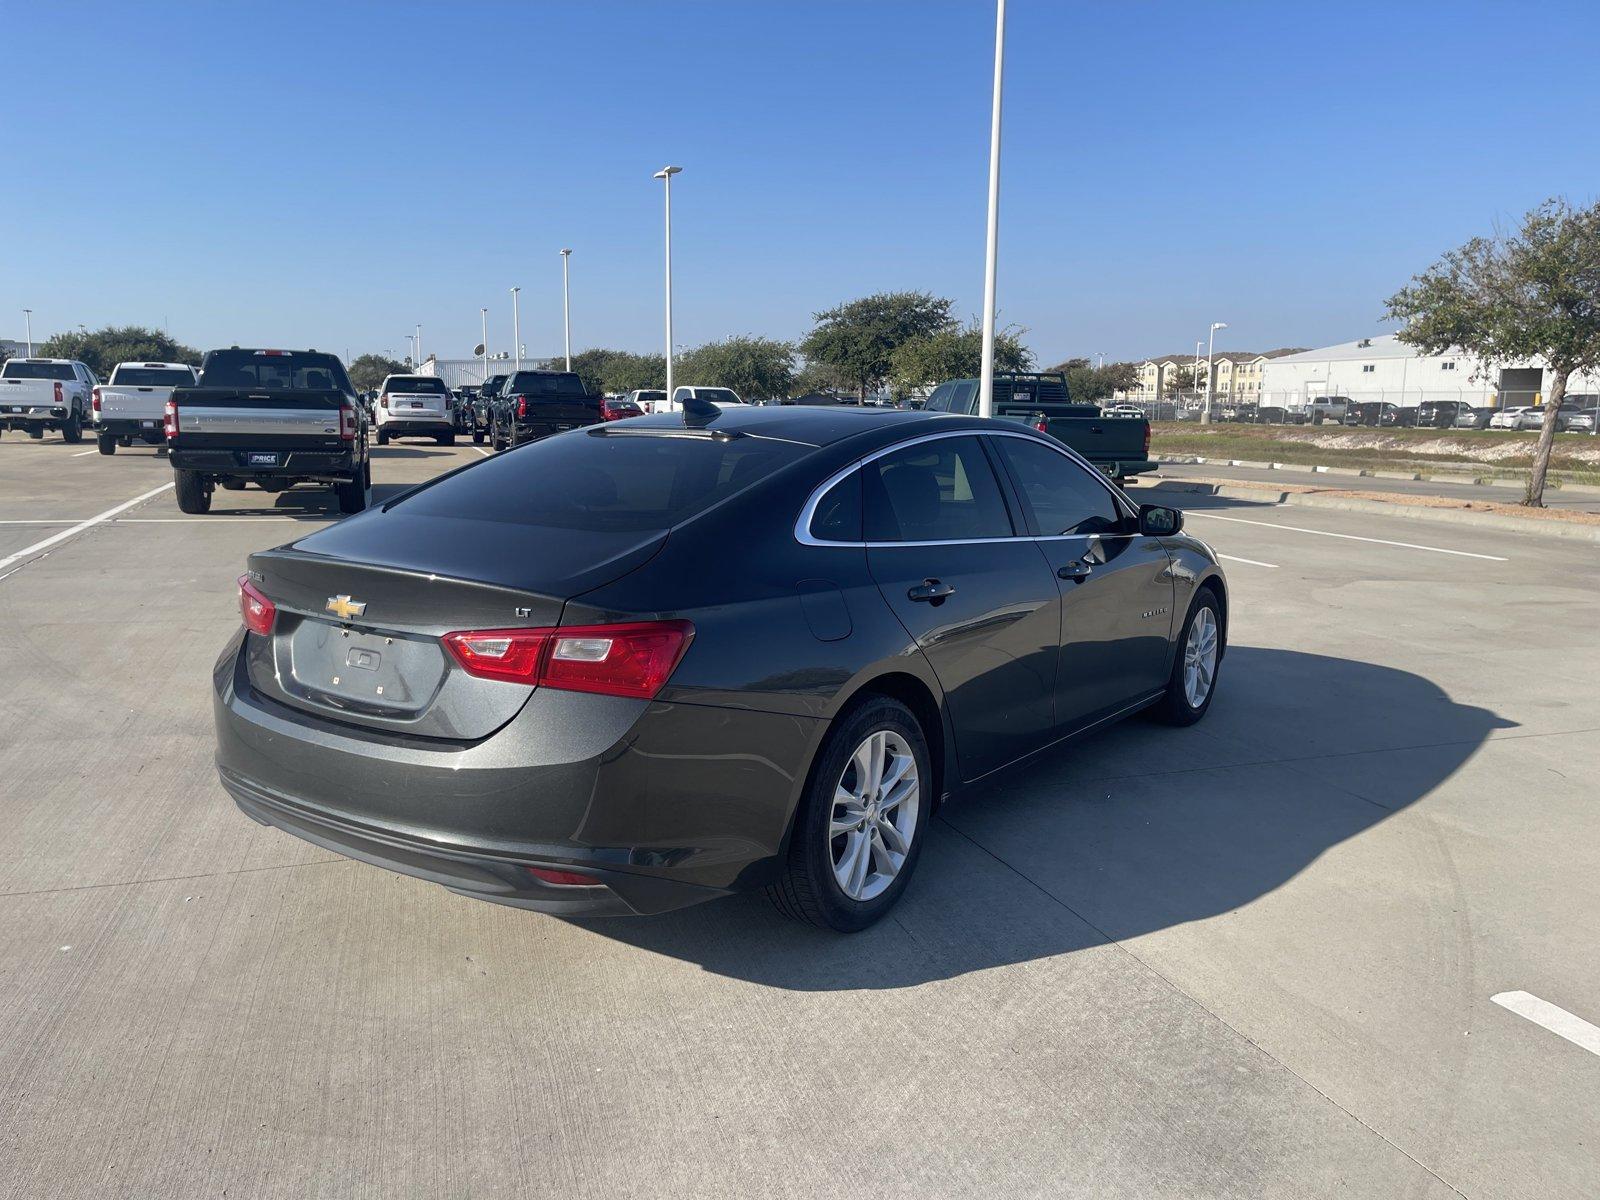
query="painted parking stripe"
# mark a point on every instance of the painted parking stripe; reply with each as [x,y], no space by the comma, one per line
[81,453]
[1248,561]
[1554,1018]
[481,451]
[1349,537]
[56,539]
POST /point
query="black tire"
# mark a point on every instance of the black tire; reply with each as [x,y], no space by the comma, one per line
[808,889]
[36,432]
[366,475]
[106,443]
[477,436]
[72,429]
[1174,707]
[383,436]
[446,439]
[352,495]
[496,442]
[193,494]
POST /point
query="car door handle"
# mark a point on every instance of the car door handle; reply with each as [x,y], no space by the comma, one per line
[930,589]
[1075,571]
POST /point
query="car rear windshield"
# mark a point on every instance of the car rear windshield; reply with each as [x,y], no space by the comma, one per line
[273,370]
[416,385]
[652,397]
[19,369]
[538,385]
[717,395]
[605,482]
[152,377]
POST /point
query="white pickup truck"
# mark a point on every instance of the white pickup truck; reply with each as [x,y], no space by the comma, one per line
[133,402]
[46,393]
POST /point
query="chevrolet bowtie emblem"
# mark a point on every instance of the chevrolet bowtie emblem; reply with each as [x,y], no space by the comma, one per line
[344,608]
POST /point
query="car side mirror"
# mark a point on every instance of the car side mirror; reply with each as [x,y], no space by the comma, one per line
[1158,521]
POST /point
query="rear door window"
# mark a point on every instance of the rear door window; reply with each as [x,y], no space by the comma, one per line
[417,385]
[21,369]
[938,491]
[964,399]
[1062,496]
[152,377]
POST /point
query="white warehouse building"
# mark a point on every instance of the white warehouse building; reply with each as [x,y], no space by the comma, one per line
[1385,368]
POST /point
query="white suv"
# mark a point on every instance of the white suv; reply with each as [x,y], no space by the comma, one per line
[415,406]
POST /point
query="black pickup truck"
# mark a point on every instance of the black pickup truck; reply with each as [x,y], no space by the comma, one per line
[1117,446]
[536,404]
[273,418]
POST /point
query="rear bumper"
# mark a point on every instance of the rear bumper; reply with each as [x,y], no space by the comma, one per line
[663,805]
[34,414]
[402,426]
[1122,468]
[320,465]
[532,431]
[148,428]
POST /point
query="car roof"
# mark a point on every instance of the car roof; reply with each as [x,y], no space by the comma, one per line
[43,360]
[821,426]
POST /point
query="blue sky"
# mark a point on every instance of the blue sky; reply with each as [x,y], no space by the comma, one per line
[332,174]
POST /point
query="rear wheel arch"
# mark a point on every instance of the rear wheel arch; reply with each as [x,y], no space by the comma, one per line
[1219,590]
[918,696]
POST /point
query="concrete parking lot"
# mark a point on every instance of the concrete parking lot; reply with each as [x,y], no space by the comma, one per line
[1251,958]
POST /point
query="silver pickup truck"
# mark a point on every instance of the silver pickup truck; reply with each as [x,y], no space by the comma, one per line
[133,402]
[46,393]
[272,418]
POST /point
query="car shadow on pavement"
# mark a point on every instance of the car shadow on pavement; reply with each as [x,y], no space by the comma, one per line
[302,504]
[393,451]
[1139,829]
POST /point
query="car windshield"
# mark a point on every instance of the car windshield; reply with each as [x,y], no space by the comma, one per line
[273,370]
[152,376]
[650,397]
[416,385]
[22,369]
[605,482]
[537,384]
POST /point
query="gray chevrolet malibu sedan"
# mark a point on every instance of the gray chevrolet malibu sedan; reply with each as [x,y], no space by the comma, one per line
[643,664]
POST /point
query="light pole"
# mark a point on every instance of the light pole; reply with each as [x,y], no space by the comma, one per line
[484,313]
[665,175]
[1211,352]
[566,304]
[412,342]
[419,345]
[516,328]
[1194,384]
[27,316]
[986,387]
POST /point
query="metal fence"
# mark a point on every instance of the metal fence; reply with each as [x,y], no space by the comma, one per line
[1291,408]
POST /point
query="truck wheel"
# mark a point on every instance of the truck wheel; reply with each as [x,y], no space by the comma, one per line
[496,442]
[383,437]
[352,495]
[106,443]
[72,429]
[193,494]
[477,436]
[36,432]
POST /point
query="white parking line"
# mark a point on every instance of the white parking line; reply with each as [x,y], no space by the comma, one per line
[481,451]
[1349,537]
[1556,1019]
[57,538]
[1249,561]
[38,522]
[81,453]
[210,520]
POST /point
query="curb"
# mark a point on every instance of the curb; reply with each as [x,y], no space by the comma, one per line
[1578,489]
[1446,516]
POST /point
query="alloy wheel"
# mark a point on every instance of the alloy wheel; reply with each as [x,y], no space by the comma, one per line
[876,805]
[1200,657]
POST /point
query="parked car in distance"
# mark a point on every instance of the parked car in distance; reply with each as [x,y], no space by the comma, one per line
[37,394]
[536,404]
[1117,446]
[273,418]
[648,399]
[133,403]
[570,696]
[1472,417]
[415,406]
[1322,409]
[1440,414]
[482,406]
[1122,410]
[619,408]
[1577,414]
[1273,414]
[1520,417]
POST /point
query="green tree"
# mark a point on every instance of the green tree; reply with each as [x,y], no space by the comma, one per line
[369,371]
[820,377]
[1527,295]
[859,339]
[1086,384]
[620,370]
[102,349]
[955,352]
[757,368]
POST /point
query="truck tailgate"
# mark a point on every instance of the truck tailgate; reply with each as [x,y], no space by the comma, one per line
[133,403]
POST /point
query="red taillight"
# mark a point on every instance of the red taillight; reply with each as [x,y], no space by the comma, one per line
[383,400]
[522,406]
[170,422]
[258,612]
[94,399]
[562,878]
[634,659]
[347,423]
[60,399]
[1042,425]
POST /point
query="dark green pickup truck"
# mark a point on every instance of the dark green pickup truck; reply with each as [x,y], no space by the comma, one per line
[1119,446]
